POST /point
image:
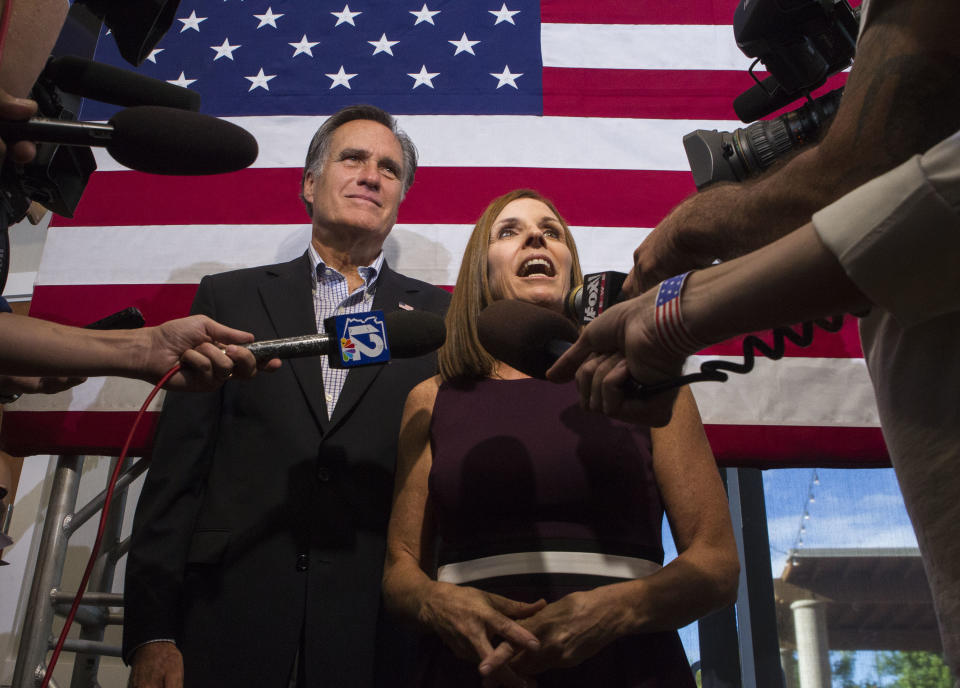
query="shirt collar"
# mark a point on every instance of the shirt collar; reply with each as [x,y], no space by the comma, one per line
[369,273]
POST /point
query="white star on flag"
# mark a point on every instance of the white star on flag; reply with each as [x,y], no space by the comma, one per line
[464,45]
[424,77]
[424,15]
[268,19]
[345,16]
[224,50]
[504,15]
[304,46]
[152,57]
[341,78]
[506,78]
[383,45]
[182,81]
[191,22]
[260,80]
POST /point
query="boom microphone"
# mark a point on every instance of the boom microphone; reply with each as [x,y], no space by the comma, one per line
[150,138]
[408,333]
[117,86]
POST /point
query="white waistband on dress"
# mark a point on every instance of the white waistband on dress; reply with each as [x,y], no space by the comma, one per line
[520,563]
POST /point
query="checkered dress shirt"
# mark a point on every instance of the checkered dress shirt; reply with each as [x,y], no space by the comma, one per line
[331,297]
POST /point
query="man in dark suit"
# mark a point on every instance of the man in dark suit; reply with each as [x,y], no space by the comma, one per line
[258,542]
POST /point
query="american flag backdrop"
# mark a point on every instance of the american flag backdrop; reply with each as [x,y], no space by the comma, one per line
[585,101]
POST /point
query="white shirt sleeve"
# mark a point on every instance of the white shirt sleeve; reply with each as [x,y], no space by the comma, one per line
[898,236]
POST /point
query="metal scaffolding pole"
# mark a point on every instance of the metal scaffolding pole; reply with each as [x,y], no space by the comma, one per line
[47,600]
[38,621]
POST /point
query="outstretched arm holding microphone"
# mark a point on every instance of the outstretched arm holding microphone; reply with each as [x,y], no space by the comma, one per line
[891,243]
[154,139]
[209,352]
[794,279]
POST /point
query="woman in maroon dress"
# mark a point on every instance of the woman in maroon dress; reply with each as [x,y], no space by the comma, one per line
[525,534]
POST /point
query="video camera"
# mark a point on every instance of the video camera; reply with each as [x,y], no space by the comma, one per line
[58,175]
[801,43]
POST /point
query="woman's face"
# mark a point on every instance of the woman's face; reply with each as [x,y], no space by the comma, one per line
[528,258]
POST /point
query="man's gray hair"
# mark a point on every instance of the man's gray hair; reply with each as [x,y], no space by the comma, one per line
[320,145]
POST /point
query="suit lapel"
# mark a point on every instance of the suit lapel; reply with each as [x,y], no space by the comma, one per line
[389,293]
[287,298]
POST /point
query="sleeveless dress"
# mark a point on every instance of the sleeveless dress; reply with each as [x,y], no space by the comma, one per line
[534,497]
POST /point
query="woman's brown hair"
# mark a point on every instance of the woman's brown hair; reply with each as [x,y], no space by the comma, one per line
[462,356]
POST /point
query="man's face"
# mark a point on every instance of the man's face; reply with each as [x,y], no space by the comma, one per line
[360,184]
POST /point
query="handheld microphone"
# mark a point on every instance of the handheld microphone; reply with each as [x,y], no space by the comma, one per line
[599,291]
[352,340]
[117,86]
[150,138]
[531,338]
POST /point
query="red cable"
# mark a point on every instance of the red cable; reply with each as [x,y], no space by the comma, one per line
[48,674]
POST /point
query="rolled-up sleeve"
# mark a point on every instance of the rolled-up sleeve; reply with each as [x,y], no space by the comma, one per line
[898,236]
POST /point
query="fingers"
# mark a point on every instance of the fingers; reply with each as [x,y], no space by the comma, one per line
[12,108]
[603,381]
[507,628]
[515,609]
[599,335]
[566,366]
[23,152]
[211,353]
[605,386]
[197,365]
[222,333]
[496,671]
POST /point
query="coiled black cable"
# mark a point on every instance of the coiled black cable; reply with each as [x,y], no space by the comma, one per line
[713,370]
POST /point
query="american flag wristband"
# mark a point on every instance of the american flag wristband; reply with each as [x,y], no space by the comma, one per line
[668,317]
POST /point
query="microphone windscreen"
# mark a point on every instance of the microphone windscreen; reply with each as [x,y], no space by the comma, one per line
[414,333]
[163,140]
[520,334]
[110,84]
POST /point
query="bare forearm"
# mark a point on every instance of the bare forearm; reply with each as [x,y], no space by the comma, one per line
[790,281]
[901,98]
[688,588]
[405,586]
[29,346]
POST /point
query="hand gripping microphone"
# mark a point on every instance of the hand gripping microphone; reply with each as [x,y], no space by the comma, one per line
[150,138]
[531,338]
[598,292]
[357,339]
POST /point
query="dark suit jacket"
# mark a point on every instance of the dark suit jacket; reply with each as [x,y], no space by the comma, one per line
[260,518]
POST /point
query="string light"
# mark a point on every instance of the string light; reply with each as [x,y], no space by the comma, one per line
[811,499]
